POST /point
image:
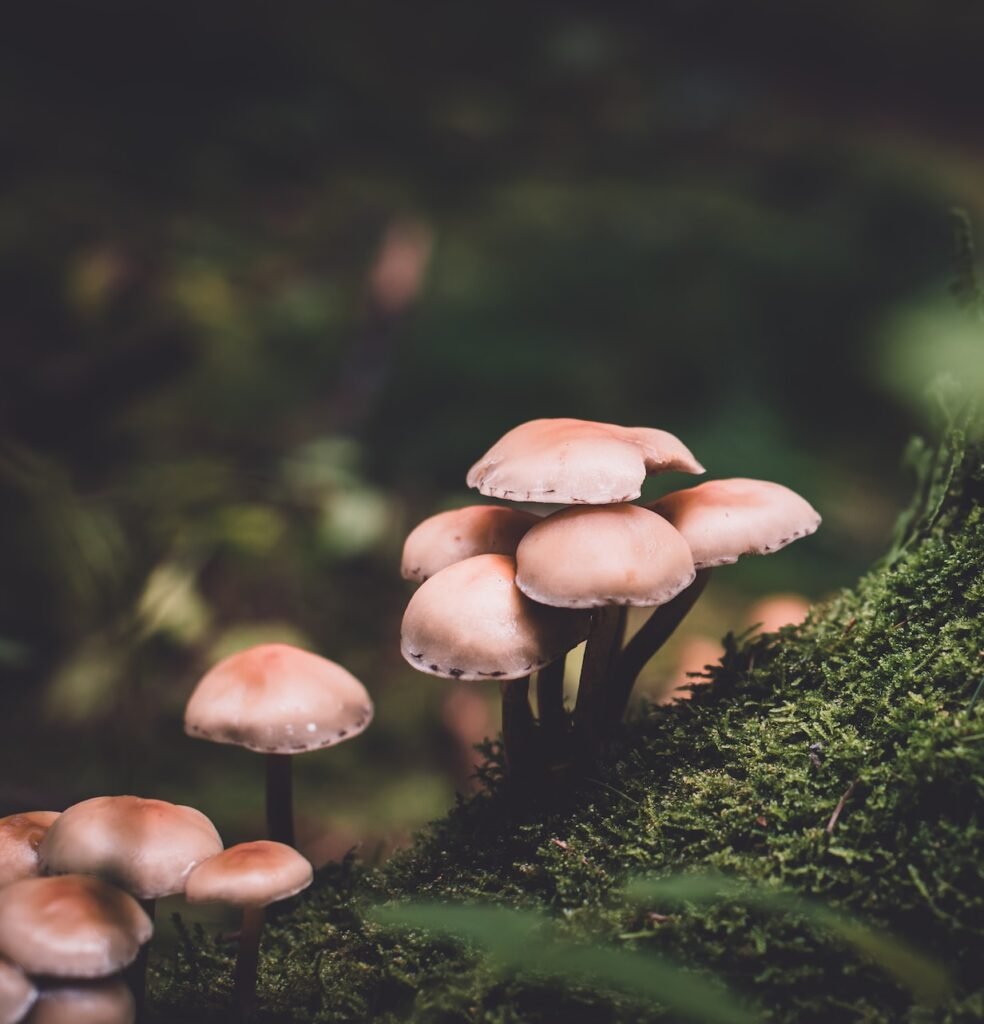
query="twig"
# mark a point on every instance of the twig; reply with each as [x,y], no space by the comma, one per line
[848,793]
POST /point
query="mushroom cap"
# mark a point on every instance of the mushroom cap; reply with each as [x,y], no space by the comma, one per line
[20,836]
[278,699]
[470,621]
[577,462]
[17,994]
[725,519]
[462,533]
[146,847]
[71,926]
[616,554]
[250,875]
[99,1002]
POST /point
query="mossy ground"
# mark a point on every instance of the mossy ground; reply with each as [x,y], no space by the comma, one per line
[876,692]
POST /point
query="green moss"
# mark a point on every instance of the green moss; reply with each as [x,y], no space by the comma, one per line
[875,691]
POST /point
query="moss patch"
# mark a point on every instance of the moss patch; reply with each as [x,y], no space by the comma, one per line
[872,697]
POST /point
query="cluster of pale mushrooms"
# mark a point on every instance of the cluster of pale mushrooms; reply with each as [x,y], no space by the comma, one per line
[78,889]
[506,593]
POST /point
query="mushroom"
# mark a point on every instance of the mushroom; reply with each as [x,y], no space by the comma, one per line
[470,622]
[250,876]
[94,1002]
[606,558]
[450,537]
[147,847]
[20,836]
[17,994]
[278,700]
[71,926]
[573,462]
[721,520]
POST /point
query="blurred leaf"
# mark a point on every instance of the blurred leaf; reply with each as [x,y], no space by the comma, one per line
[921,974]
[85,685]
[170,603]
[521,940]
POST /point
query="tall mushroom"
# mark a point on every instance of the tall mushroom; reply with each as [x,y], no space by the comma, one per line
[250,876]
[470,622]
[577,462]
[280,701]
[606,558]
[721,520]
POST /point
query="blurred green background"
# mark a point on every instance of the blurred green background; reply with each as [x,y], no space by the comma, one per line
[273,276]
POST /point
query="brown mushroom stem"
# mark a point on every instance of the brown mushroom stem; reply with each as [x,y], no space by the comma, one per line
[655,631]
[550,704]
[244,991]
[279,799]
[136,973]
[518,727]
[589,708]
[619,639]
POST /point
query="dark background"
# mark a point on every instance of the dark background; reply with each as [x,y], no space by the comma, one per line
[273,275]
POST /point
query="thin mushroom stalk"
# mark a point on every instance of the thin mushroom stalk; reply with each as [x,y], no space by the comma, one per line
[550,705]
[247,961]
[280,798]
[598,653]
[519,730]
[653,634]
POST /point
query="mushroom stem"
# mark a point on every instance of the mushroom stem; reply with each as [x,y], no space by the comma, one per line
[244,991]
[550,704]
[655,631]
[619,638]
[279,799]
[518,727]
[598,655]
[136,973]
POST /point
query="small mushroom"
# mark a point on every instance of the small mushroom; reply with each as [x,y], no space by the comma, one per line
[575,462]
[17,994]
[71,926]
[278,700]
[607,558]
[471,622]
[94,1002]
[147,847]
[450,537]
[721,520]
[20,836]
[250,876]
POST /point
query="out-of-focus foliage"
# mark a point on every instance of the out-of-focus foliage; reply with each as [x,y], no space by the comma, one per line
[271,278]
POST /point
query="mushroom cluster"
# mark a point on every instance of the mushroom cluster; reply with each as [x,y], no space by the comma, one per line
[78,895]
[78,889]
[506,593]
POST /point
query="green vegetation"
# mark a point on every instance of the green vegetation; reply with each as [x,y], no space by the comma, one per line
[841,762]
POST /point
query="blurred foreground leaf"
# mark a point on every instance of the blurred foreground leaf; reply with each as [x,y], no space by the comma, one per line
[522,940]
[922,975]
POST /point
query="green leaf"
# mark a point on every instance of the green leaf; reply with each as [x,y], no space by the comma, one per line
[924,976]
[523,940]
